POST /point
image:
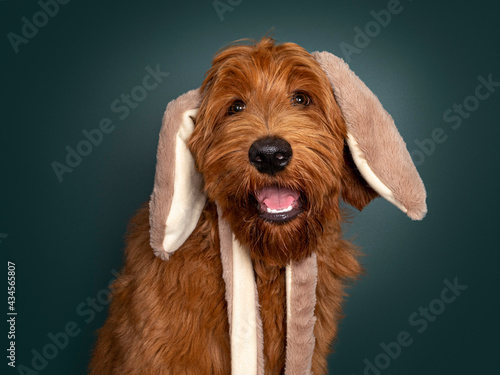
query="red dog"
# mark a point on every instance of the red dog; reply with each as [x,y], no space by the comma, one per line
[245,219]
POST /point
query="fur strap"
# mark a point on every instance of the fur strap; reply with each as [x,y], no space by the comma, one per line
[301,279]
[247,338]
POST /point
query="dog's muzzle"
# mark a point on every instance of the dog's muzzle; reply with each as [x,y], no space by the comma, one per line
[271,155]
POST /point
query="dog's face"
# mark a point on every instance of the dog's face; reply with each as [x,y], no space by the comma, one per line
[269,142]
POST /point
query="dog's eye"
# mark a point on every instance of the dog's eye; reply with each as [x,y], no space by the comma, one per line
[300,98]
[237,106]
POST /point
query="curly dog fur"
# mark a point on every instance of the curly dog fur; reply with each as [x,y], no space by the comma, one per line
[170,317]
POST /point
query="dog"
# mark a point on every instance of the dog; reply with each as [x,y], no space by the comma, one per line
[251,168]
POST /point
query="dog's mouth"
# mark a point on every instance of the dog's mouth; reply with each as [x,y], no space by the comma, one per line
[278,204]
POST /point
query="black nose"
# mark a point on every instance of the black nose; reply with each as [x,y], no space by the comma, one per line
[270,155]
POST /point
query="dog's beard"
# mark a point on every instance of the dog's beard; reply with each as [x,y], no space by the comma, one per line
[277,242]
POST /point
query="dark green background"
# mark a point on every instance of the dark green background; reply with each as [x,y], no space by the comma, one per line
[66,238]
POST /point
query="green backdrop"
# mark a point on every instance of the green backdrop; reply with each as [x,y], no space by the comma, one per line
[68,67]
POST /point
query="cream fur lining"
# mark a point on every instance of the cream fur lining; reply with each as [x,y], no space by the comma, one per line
[187,201]
[368,175]
[288,283]
[244,328]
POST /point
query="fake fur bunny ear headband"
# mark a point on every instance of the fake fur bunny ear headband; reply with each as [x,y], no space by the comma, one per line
[177,201]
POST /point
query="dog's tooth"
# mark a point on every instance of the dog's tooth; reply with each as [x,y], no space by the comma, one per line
[273,211]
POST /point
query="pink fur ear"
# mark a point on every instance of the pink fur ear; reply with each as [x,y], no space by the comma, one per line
[177,200]
[375,144]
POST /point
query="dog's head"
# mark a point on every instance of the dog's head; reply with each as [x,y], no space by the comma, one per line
[269,141]
[279,135]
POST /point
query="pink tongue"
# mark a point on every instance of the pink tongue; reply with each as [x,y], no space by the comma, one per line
[277,197]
